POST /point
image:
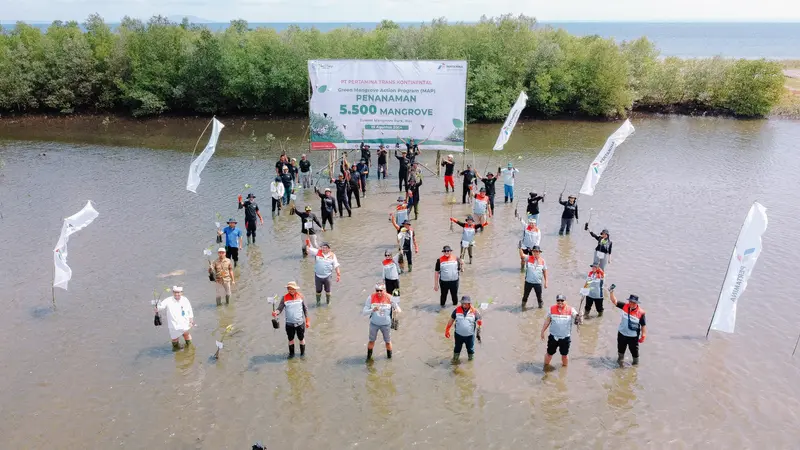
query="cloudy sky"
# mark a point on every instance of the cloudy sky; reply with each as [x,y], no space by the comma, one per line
[404,10]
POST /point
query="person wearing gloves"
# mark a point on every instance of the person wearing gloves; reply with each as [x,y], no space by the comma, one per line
[180,317]
[325,263]
[277,190]
[560,319]
[508,182]
[569,215]
[468,323]
[468,235]
[380,308]
[602,253]
[632,329]
[446,275]
[222,268]
[250,214]
[297,320]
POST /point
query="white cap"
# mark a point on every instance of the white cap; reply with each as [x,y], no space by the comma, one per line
[450,156]
[531,220]
[177,289]
[380,287]
[221,250]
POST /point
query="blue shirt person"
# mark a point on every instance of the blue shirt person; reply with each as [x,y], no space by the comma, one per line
[233,240]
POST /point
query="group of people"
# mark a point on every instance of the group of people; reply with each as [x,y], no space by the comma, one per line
[382,305]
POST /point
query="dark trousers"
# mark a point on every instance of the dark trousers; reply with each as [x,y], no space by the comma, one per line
[391,285]
[460,341]
[537,288]
[566,226]
[327,217]
[364,183]
[233,254]
[276,203]
[598,305]
[407,252]
[625,342]
[402,178]
[452,288]
[353,190]
[343,204]
[465,192]
[250,226]
[491,202]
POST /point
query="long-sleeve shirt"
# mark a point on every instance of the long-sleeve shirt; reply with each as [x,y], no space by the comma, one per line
[603,245]
[448,168]
[489,183]
[468,175]
[327,204]
[404,162]
[307,221]
[277,190]
[179,315]
[533,204]
[570,209]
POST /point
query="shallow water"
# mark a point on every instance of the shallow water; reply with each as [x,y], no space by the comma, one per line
[95,373]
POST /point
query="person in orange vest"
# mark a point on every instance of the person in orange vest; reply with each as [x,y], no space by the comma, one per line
[380,308]
[468,235]
[406,239]
[401,210]
[594,286]
[560,319]
[535,274]
[297,320]
[632,329]
[468,323]
[325,264]
[446,274]
[391,271]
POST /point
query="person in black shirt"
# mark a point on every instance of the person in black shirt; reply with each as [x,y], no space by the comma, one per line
[294,170]
[402,171]
[341,196]
[354,179]
[469,177]
[287,178]
[250,213]
[382,161]
[602,253]
[570,213]
[307,221]
[283,161]
[533,205]
[489,182]
[366,156]
[363,173]
[305,172]
[413,186]
[449,167]
[327,205]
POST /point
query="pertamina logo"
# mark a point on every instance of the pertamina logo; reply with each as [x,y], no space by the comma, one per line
[746,254]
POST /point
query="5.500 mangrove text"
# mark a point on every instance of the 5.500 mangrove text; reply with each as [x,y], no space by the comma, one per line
[366,110]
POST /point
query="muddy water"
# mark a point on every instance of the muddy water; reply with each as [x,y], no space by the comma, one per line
[95,373]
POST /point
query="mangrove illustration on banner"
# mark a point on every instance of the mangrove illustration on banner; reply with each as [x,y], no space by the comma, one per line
[379,102]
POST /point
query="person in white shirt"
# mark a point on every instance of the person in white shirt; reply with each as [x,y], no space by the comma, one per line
[508,182]
[325,265]
[277,190]
[180,318]
[560,319]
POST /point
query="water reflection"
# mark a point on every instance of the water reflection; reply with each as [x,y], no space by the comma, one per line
[381,389]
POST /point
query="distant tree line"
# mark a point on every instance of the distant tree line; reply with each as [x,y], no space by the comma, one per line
[158,67]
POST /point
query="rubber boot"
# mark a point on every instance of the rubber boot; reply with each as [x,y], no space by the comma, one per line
[369,354]
[620,357]
[471,356]
[524,306]
[599,313]
[319,299]
[219,301]
[227,299]
[505,199]
[409,268]
[291,350]
[455,357]
[305,252]
[302,349]
[635,361]
[176,346]
[327,298]
[388,354]
[188,342]
[540,305]
[254,239]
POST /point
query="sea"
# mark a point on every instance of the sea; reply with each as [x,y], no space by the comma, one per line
[751,40]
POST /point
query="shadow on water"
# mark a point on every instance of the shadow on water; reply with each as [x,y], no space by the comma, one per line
[601,362]
[259,360]
[41,312]
[429,308]
[687,337]
[531,367]
[351,361]
[158,351]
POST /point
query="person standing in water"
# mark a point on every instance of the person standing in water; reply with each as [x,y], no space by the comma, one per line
[250,214]
[468,235]
[533,205]
[480,206]
[354,187]
[466,188]
[297,320]
[380,308]
[449,168]
[223,275]
[382,161]
[602,253]
[468,323]
[287,178]
[307,232]
[401,210]
[277,190]
[488,184]
[180,317]
[535,275]
[508,182]
[413,187]
[406,238]
[632,329]
[341,195]
[594,283]
[325,264]
[391,271]
[306,177]
[233,240]
[569,215]
[402,169]
[327,207]
[363,172]
[531,237]
[446,274]
[366,158]
[560,319]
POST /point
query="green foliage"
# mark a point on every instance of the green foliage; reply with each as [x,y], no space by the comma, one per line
[325,129]
[159,66]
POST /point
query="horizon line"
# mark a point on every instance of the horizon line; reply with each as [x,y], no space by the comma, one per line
[422,21]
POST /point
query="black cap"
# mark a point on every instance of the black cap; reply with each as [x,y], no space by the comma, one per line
[605,230]
[561,297]
[466,299]
[633,298]
[469,217]
[446,248]
[594,264]
[251,195]
[536,248]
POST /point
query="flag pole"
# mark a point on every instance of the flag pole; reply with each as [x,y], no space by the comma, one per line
[733,252]
[53,286]
[201,136]
[795,344]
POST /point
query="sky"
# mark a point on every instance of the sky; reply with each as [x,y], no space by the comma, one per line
[405,10]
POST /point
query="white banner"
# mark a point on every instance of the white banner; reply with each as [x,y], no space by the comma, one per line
[511,121]
[199,163]
[601,161]
[72,224]
[387,102]
[745,255]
